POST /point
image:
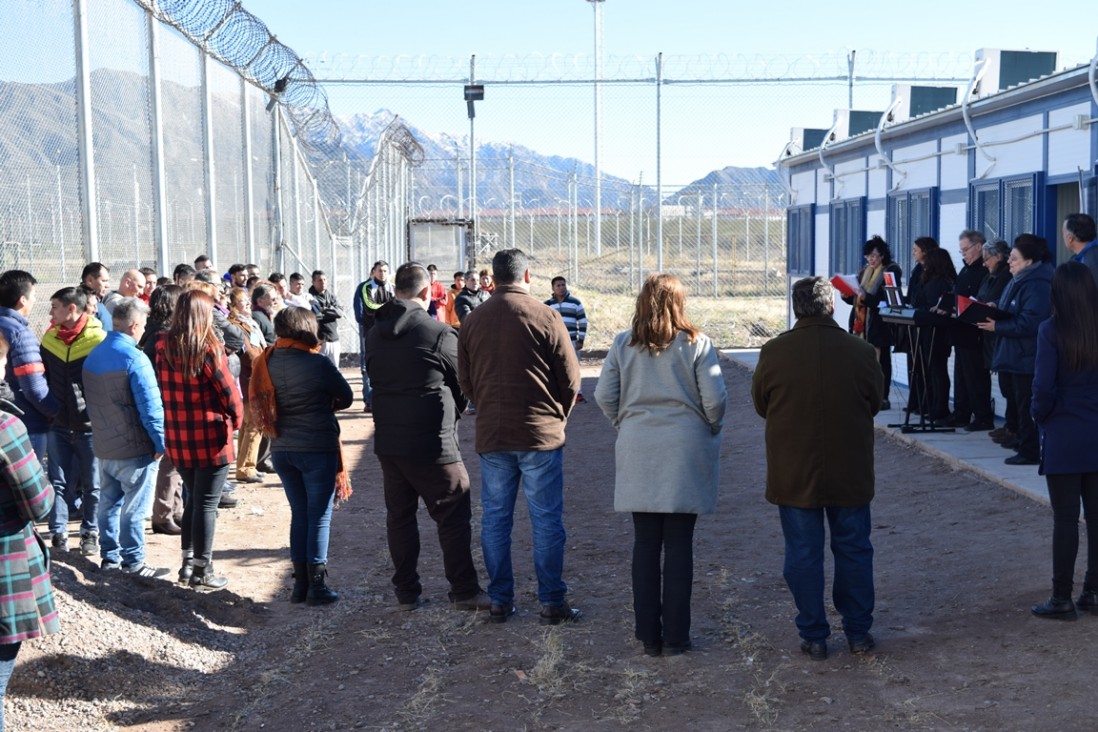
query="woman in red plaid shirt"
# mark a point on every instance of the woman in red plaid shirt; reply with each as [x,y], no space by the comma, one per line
[202,409]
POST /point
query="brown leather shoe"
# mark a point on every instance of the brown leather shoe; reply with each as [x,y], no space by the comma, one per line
[557,614]
[479,602]
[170,528]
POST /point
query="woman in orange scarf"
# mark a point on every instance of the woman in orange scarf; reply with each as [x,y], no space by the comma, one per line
[294,395]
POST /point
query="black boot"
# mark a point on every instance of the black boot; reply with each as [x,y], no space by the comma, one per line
[1057,608]
[301,582]
[205,578]
[186,570]
[319,594]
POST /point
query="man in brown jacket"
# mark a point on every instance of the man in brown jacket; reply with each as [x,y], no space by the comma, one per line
[818,388]
[516,363]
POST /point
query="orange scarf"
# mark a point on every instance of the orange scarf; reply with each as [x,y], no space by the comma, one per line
[264,405]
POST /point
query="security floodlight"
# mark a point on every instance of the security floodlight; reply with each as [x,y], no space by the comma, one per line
[473,93]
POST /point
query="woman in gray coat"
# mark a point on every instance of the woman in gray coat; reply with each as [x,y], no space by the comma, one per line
[661,387]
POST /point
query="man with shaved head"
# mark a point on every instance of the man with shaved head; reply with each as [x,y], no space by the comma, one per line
[131,285]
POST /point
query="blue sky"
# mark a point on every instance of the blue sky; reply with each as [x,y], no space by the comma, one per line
[704,128]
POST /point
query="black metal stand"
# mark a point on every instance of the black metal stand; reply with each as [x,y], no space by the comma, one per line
[919,367]
[920,364]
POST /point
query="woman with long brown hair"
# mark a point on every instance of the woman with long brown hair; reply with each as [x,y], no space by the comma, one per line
[1065,409]
[202,409]
[662,388]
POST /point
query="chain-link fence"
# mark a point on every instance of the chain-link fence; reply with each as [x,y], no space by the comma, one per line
[143,134]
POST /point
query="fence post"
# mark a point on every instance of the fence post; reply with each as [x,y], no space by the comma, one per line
[276,141]
[297,200]
[511,180]
[249,192]
[210,199]
[84,122]
[160,235]
[698,247]
[659,161]
[716,202]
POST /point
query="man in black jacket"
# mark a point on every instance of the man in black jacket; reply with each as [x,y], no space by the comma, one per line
[971,379]
[328,312]
[411,359]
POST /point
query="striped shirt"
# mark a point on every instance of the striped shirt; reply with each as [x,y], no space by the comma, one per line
[575,319]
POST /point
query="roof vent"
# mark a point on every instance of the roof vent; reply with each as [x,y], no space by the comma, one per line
[1004,69]
[920,100]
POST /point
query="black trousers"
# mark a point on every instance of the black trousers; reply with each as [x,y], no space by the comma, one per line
[1021,388]
[1065,492]
[661,600]
[937,382]
[971,386]
[203,488]
[445,491]
[1010,412]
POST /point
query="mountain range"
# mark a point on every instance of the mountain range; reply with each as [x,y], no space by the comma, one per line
[38,150]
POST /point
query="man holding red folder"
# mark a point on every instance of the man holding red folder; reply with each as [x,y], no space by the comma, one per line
[971,379]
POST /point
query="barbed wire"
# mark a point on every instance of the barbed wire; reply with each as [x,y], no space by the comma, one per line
[240,40]
[555,67]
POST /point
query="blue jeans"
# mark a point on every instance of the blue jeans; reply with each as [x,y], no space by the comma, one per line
[309,481]
[126,491]
[40,443]
[367,390]
[804,568]
[8,652]
[69,449]
[542,475]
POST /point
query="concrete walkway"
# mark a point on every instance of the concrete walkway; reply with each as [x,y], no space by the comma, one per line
[969,450]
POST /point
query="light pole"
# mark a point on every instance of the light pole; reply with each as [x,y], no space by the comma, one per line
[596,5]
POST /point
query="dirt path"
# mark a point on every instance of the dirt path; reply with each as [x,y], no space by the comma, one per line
[958,563]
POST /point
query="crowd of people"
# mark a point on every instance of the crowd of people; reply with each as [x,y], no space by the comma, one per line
[154,398]
[1037,333]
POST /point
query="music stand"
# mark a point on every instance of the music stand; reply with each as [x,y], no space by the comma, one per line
[906,316]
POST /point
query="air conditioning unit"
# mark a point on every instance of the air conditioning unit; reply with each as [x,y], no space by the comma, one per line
[806,138]
[1004,69]
[853,122]
[919,100]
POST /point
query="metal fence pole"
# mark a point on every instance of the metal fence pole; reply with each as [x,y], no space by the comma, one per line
[659,160]
[249,184]
[698,248]
[160,235]
[511,181]
[297,199]
[715,207]
[279,232]
[209,177]
[84,122]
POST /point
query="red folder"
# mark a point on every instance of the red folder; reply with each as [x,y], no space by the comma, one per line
[846,284]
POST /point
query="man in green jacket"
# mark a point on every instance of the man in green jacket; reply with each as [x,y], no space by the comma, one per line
[818,388]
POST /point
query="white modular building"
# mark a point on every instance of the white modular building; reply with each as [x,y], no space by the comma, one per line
[1015,150]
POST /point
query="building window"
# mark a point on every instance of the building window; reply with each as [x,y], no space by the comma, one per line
[1005,208]
[802,235]
[910,214]
[847,235]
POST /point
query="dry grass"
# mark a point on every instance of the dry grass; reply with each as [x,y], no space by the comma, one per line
[428,695]
[549,674]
